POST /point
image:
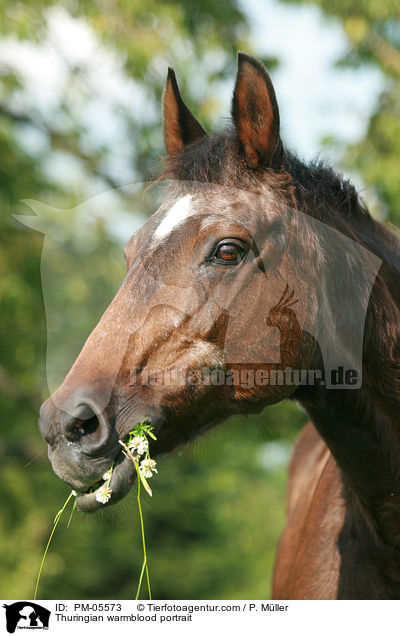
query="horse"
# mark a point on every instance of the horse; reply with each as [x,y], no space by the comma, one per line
[254,262]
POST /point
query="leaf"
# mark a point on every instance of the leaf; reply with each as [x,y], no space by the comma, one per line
[145,483]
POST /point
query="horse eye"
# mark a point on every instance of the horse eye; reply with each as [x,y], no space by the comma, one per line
[228,253]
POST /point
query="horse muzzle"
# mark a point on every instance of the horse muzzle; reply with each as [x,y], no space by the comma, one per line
[83,444]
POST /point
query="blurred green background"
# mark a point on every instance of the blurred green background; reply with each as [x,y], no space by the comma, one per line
[80,89]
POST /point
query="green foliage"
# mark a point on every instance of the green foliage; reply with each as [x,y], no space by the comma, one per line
[141,429]
[373,30]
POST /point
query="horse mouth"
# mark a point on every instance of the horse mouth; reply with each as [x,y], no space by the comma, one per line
[122,479]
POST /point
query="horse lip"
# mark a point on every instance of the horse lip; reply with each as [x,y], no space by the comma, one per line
[123,477]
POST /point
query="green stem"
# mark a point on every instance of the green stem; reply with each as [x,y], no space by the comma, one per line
[56,520]
[72,512]
[144,566]
[140,580]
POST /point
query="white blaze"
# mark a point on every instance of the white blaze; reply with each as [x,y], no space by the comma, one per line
[178,213]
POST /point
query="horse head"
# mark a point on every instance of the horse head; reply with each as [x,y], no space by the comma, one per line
[206,289]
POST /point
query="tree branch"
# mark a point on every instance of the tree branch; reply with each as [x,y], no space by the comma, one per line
[62,142]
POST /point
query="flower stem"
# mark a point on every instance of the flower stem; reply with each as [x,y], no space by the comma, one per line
[140,479]
[56,520]
[72,512]
[140,580]
[144,566]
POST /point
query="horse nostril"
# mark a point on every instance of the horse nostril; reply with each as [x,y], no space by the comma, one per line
[85,427]
[76,429]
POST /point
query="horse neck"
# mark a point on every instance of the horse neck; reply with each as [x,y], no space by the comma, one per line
[361,426]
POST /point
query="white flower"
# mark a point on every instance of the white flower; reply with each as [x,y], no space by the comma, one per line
[73,492]
[148,467]
[107,475]
[103,494]
[138,445]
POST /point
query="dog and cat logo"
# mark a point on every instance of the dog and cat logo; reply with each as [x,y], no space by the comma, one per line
[26,615]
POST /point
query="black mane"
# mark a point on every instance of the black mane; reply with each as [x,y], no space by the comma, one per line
[218,159]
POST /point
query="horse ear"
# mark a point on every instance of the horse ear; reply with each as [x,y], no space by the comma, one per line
[179,125]
[255,111]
